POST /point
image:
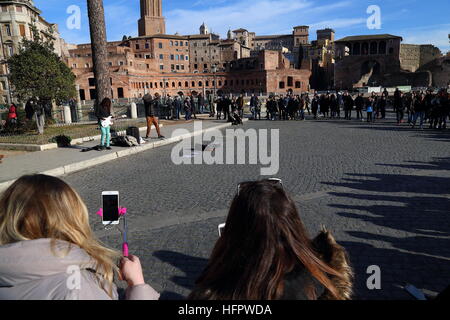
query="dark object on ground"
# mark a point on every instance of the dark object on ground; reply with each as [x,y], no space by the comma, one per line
[235,119]
[125,141]
[1,157]
[134,132]
[444,295]
[62,141]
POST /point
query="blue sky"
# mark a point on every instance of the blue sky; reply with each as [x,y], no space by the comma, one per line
[417,21]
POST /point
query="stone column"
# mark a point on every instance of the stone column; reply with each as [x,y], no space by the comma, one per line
[134,113]
[67,115]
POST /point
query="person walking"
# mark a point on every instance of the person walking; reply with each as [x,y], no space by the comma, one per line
[151,105]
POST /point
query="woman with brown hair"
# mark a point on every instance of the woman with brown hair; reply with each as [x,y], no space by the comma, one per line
[265,253]
[49,252]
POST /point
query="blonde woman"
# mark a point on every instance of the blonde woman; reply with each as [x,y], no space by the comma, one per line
[48,250]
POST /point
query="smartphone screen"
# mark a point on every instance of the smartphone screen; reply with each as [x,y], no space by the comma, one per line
[110,207]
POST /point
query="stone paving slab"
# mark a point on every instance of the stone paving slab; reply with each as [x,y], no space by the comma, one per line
[66,160]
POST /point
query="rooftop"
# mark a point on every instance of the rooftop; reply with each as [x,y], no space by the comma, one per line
[369,37]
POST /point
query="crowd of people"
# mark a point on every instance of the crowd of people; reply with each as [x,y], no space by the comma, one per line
[427,107]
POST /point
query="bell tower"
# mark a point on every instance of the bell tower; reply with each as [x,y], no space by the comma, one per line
[151,21]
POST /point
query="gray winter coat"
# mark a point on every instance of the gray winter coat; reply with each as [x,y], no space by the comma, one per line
[30,271]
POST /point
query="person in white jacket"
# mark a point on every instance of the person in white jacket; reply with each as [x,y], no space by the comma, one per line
[48,250]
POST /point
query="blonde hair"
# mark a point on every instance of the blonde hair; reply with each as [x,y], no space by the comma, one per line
[44,207]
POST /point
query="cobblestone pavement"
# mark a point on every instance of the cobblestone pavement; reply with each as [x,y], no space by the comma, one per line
[383,190]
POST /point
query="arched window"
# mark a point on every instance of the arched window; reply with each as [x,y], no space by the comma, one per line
[173,84]
[365,49]
[382,47]
[186,84]
[193,84]
[179,84]
[357,49]
[373,48]
[200,84]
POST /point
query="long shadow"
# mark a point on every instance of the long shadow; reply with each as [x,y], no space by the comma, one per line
[407,228]
[437,164]
[190,266]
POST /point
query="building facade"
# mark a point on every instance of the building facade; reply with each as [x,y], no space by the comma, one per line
[17,18]
[171,64]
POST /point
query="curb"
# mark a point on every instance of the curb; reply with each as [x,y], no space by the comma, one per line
[50,146]
[74,167]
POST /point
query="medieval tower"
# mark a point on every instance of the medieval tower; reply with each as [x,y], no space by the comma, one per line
[151,21]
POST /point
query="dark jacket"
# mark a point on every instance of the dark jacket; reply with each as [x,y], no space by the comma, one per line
[148,105]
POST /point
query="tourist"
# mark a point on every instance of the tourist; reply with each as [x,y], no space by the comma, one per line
[359,104]
[151,105]
[369,109]
[193,106]
[265,253]
[282,106]
[399,108]
[315,106]
[187,107]
[46,240]
[201,103]
[348,105]
[419,110]
[334,105]
[382,103]
[177,104]
[103,114]
[240,105]
[12,115]
[253,105]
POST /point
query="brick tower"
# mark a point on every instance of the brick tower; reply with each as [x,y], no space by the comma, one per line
[151,21]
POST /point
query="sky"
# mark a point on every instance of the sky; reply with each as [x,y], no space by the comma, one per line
[417,21]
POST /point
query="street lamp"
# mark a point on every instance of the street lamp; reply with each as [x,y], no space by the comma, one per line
[214,70]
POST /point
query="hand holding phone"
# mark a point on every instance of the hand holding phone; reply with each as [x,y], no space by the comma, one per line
[131,271]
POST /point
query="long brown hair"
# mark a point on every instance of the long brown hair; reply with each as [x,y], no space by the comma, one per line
[263,241]
[43,207]
[106,105]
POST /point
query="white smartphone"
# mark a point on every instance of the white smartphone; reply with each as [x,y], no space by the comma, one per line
[221,228]
[110,205]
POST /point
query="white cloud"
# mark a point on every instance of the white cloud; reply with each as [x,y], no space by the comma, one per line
[435,34]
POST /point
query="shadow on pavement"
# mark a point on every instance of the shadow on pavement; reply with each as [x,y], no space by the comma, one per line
[414,210]
[190,266]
